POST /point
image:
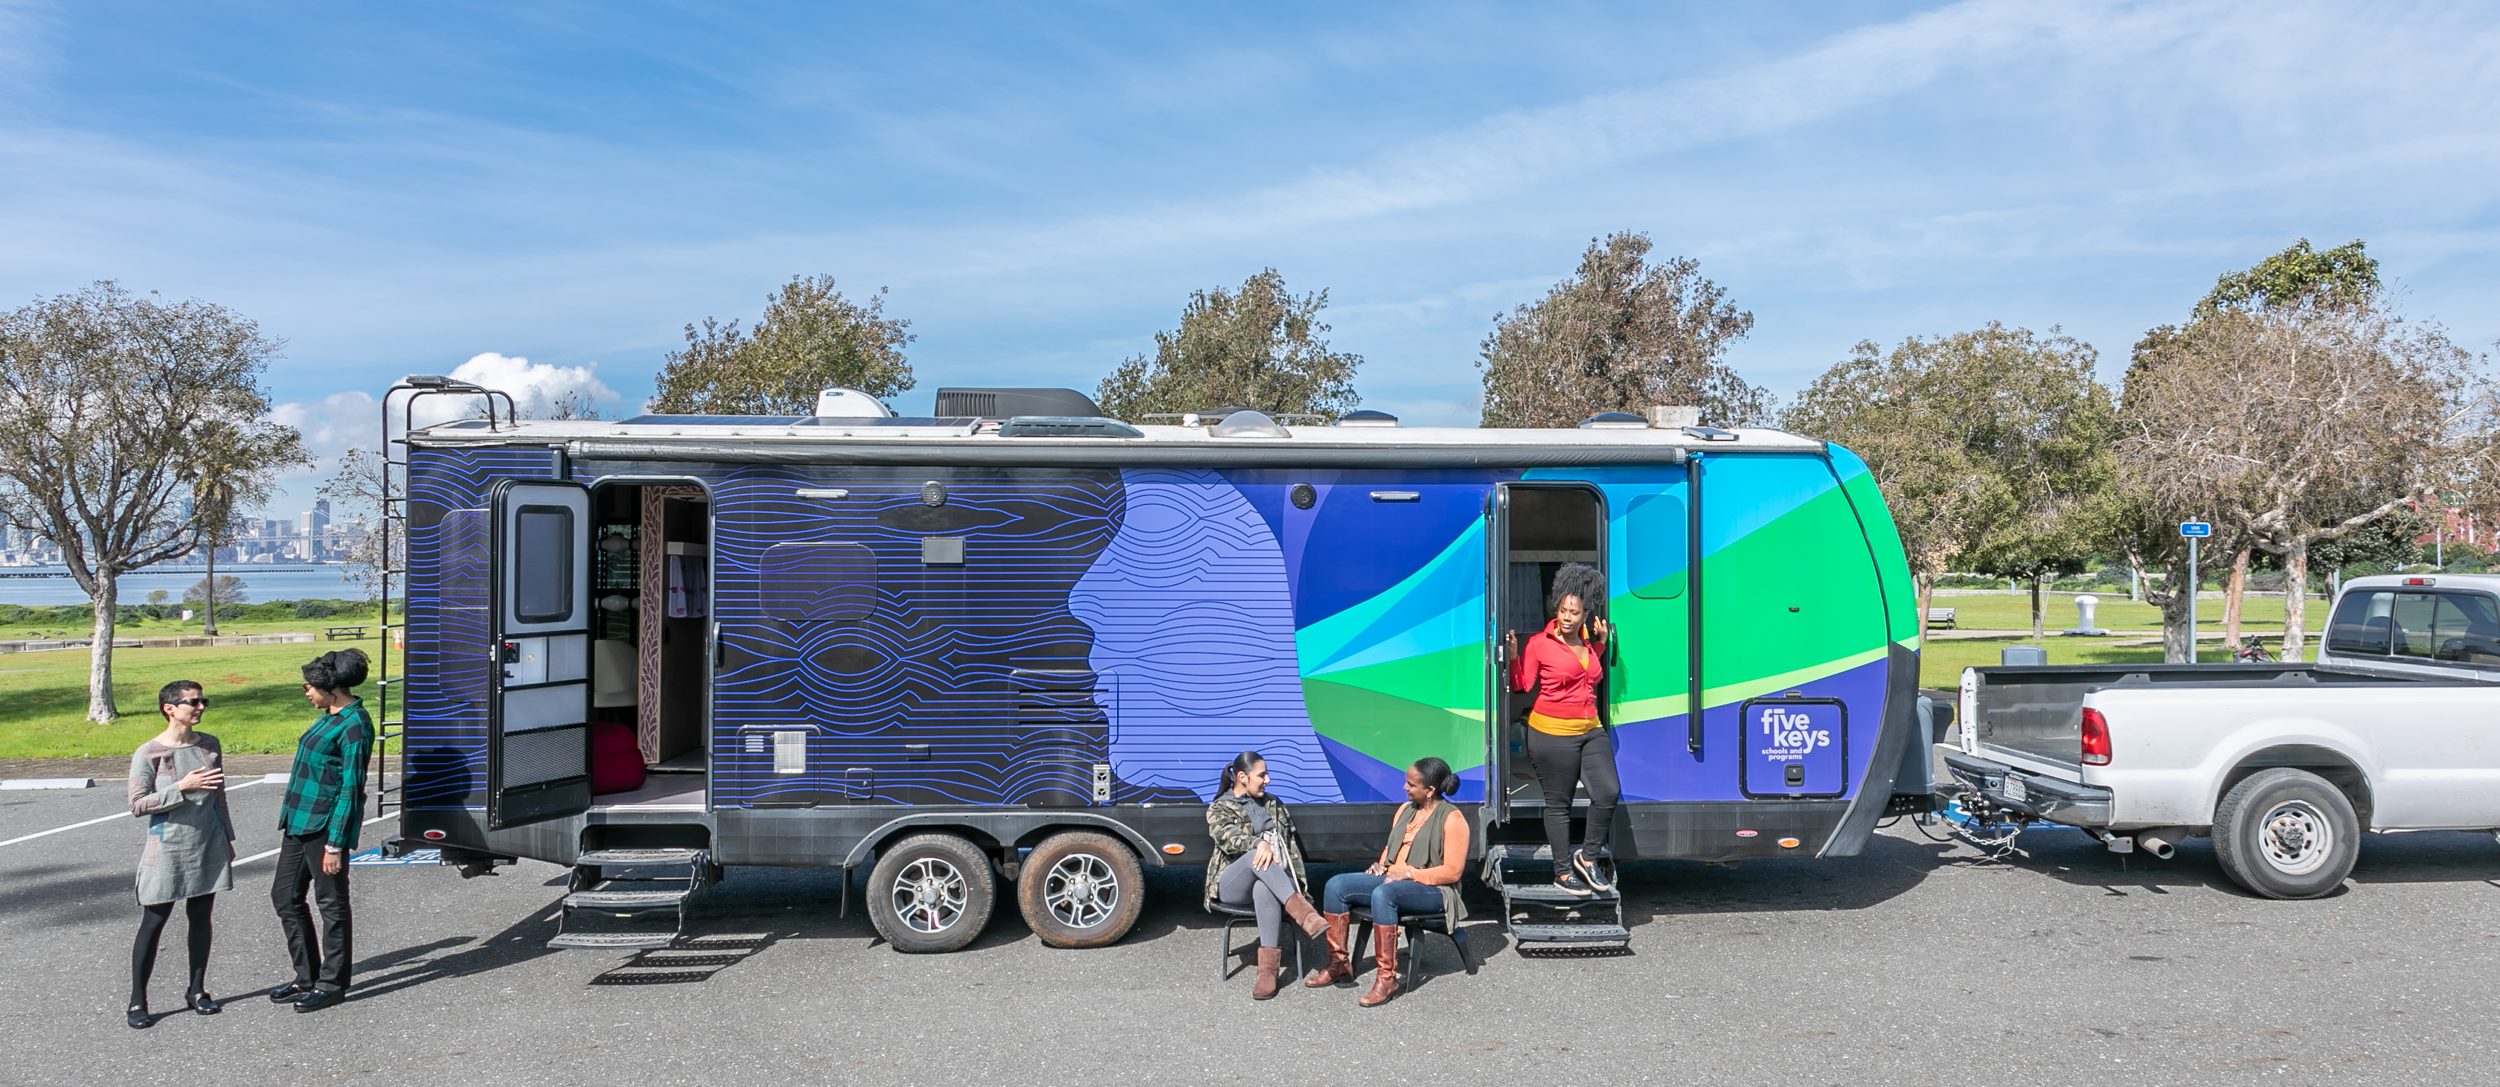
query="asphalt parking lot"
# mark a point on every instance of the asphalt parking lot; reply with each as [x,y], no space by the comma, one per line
[1915,962]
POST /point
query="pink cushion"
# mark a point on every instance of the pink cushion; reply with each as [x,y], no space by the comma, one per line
[615,759]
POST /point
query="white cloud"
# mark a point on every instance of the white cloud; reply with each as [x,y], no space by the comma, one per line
[353,420]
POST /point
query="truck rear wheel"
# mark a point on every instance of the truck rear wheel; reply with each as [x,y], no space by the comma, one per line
[1081,889]
[930,892]
[2287,833]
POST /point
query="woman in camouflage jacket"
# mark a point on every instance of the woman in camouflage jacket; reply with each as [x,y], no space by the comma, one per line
[1258,863]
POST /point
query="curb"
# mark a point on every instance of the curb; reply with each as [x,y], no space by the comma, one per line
[47,783]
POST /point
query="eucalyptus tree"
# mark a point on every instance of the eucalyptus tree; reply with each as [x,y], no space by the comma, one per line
[1261,347]
[1623,333]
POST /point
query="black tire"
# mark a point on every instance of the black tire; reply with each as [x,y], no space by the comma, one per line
[1081,889]
[930,893]
[2267,833]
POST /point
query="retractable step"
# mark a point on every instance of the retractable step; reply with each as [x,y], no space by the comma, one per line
[631,883]
[1570,934]
[636,858]
[625,901]
[1541,914]
[611,941]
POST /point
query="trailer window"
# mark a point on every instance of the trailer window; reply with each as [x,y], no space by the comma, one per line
[542,564]
[2360,625]
[819,582]
[1658,536]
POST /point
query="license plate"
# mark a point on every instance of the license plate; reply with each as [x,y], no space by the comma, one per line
[2015,789]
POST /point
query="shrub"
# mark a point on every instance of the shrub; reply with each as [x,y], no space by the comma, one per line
[315,609]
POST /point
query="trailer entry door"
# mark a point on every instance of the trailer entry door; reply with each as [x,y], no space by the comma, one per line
[538,643]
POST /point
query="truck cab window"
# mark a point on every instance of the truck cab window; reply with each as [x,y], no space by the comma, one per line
[2360,626]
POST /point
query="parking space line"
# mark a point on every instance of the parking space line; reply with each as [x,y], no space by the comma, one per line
[105,819]
[274,852]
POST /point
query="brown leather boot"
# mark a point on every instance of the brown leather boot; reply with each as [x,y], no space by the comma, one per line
[1271,959]
[1384,966]
[1338,971]
[1299,908]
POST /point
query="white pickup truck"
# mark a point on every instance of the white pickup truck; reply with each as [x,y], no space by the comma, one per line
[2397,727]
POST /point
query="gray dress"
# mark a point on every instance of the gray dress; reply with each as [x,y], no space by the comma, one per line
[190,844]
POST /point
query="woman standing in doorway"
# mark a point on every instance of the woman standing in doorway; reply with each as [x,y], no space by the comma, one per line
[1567,742]
[323,808]
[1258,863]
[178,783]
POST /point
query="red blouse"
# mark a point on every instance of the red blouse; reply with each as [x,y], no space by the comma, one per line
[1565,685]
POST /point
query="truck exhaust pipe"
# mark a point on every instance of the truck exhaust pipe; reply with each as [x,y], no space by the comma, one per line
[2161,842]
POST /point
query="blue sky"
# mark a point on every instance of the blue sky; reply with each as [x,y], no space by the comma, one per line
[399,188]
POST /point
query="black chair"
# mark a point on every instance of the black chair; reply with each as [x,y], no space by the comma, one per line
[1244,915]
[1414,925]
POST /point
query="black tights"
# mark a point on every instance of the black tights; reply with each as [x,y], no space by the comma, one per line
[1563,764]
[152,926]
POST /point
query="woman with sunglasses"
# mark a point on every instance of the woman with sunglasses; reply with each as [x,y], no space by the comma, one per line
[178,783]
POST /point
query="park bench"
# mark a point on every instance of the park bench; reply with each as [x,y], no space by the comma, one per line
[336,633]
[1940,617]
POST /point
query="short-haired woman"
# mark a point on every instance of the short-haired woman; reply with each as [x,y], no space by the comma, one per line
[178,783]
[1258,862]
[1418,870]
[1567,742]
[323,808]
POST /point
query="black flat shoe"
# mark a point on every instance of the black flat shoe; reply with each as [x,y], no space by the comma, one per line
[318,999]
[139,1019]
[203,1004]
[289,993]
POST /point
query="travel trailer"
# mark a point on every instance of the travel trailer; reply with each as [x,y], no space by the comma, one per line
[1007,649]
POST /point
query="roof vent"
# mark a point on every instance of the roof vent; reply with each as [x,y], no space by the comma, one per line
[1066,426]
[1367,417]
[839,403]
[1249,424]
[1614,420]
[1710,433]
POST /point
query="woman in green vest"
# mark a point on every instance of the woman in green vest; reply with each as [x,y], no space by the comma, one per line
[1417,872]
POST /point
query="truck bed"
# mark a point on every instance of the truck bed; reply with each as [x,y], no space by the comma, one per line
[2033,715]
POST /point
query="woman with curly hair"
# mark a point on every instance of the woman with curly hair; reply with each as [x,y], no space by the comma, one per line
[323,808]
[1567,742]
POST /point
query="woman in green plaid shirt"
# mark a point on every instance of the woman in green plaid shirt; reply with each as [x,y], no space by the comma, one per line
[324,806]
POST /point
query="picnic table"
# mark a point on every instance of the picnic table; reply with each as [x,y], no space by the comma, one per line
[336,633]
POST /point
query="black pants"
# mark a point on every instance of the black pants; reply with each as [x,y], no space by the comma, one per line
[152,920]
[299,866]
[1563,764]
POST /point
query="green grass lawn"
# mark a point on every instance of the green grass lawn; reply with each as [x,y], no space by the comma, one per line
[1998,611]
[255,693]
[174,628]
[1940,664]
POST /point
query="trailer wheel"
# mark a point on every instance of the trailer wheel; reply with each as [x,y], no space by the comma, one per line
[1081,889]
[930,892]
[2287,834]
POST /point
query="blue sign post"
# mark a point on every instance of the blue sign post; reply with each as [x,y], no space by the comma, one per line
[2193,532]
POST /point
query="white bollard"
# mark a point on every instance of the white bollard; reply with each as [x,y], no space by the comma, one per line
[2085,605]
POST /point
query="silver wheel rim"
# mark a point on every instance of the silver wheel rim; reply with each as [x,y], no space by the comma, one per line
[2296,838]
[1080,891]
[929,895]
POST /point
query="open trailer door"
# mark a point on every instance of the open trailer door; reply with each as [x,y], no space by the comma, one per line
[538,701]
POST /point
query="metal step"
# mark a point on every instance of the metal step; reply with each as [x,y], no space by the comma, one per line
[1548,893]
[612,941]
[1529,854]
[629,858]
[1571,934]
[626,901]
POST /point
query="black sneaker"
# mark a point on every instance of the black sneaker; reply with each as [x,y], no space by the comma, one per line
[1588,870]
[1570,883]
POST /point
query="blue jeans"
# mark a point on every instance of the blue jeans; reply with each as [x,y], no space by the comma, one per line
[1388,897]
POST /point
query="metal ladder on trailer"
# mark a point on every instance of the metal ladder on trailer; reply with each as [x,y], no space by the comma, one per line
[390,701]
[1542,916]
